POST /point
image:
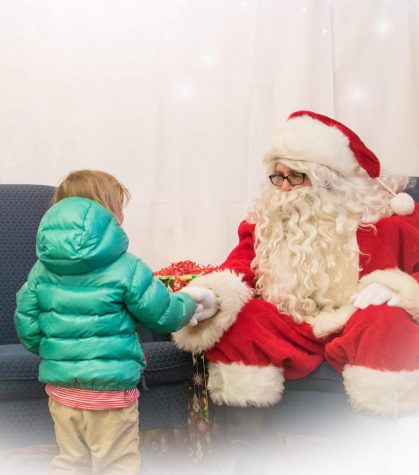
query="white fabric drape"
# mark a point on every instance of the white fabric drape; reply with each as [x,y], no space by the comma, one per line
[179,98]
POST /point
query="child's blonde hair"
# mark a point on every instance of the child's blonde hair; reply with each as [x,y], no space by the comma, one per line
[96,185]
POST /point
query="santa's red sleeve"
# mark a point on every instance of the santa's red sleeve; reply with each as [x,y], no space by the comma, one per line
[389,255]
[232,282]
[240,258]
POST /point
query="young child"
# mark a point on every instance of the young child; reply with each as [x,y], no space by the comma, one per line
[79,310]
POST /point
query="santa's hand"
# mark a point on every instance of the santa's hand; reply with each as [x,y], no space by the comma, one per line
[375,294]
[206,303]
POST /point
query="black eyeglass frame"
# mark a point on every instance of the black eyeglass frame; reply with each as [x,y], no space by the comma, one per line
[300,176]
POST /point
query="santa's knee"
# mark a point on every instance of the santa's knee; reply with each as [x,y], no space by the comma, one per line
[378,354]
[381,337]
[236,384]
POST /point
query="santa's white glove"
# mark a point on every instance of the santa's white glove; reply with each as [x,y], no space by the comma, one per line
[206,304]
[375,294]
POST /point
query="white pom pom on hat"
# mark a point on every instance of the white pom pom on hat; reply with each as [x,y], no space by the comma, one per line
[312,137]
[402,203]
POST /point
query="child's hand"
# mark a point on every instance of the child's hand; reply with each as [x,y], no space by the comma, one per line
[206,303]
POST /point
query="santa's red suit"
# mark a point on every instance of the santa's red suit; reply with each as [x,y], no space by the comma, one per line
[253,348]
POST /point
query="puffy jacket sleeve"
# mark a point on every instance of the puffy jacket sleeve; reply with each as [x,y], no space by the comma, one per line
[149,302]
[27,314]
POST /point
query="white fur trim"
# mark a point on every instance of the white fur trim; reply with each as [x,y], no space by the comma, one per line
[404,285]
[382,393]
[237,384]
[308,139]
[326,323]
[232,294]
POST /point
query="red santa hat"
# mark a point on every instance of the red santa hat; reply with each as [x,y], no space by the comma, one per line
[312,137]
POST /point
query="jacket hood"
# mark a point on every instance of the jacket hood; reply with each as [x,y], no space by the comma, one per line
[78,235]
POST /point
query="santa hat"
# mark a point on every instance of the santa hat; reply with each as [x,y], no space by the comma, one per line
[312,137]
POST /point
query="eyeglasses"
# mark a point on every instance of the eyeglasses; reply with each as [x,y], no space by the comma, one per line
[293,179]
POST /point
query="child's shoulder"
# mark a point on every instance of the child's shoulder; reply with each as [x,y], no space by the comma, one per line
[131,259]
[134,263]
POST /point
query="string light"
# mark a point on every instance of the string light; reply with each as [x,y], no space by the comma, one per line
[383,27]
[207,58]
[185,91]
[358,93]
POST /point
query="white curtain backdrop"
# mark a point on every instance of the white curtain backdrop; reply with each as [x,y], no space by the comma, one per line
[179,98]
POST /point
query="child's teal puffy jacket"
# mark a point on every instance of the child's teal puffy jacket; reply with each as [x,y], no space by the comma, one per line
[84,297]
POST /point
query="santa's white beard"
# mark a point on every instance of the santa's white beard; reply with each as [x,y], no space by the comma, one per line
[306,250]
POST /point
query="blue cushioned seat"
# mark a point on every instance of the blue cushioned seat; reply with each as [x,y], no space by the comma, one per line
[324,379]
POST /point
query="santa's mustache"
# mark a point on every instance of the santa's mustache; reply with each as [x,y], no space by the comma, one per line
[280,204]
[304,205]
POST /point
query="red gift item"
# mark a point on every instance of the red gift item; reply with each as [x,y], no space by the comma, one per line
[179,274]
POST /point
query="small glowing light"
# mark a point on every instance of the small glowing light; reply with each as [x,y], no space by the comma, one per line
[304,9]
[30,27]
[383,27]
[324,31]
[185,91]
[358,93]
[207,58]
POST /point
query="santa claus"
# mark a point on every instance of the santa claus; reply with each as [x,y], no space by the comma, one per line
[327,267]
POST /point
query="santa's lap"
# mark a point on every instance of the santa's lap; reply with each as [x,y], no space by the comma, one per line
[378,348]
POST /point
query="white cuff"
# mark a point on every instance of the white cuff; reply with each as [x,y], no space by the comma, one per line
[232,294]
[236,384]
